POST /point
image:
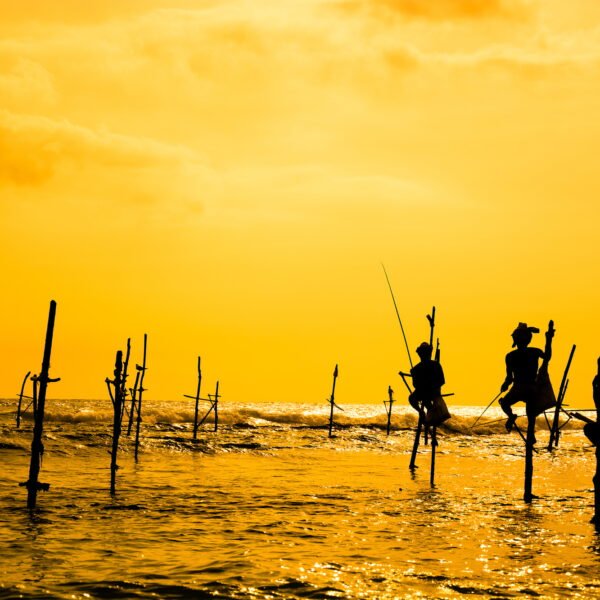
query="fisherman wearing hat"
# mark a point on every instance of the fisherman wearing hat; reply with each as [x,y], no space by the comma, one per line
[522,369]
[428,379]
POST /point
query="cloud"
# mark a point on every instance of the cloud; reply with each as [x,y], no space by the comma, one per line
[442,10]
[77,12]
[34,149]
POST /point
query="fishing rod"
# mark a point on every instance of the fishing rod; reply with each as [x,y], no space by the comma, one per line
[398,315]
[485,409]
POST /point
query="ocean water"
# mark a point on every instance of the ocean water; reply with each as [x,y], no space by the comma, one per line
[270,507]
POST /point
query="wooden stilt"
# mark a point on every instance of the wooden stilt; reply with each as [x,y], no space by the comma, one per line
[117,400]
[413,457]
[434,444]
[37,446]
[332,401]
[531,417]
[124,380]
[388,407]
[596,395]
[216,406]
[36,382]
[21,396]
[132,406]
[197,400]
[555,429]
[529,441]
[141,391]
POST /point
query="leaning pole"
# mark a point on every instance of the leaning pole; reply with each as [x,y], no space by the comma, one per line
[37,447]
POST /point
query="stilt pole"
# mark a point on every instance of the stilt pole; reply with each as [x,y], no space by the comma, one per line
[531,417]
[555,429]
[37,446]
[332,401]
[388,406]
[197,400]
[596,394]
[132,406]
[124,379]
[216,406]
[529,441]
[117,400]
[141,391]
[21,399]
[434,444]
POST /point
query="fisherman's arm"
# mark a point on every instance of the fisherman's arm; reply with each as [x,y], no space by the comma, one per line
[548,349]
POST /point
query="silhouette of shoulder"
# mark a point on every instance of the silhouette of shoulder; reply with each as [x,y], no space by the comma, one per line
[427,373]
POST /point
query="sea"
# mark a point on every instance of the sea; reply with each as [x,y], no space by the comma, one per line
[270,506]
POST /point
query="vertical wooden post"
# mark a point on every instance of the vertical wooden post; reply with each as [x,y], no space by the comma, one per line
[531,417]
[596,395]
[21,399]
[36,381]
[141,390]
[37,446]
[555,430]
[433,448]
[529,441]
[117,400]
[332,401]
[413,457]
[124,381]
[132,407]
[197,400]
[389,410]
[216,406]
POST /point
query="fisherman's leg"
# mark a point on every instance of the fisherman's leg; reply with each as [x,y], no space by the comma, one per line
[414,402]
[506,405]
[592,432]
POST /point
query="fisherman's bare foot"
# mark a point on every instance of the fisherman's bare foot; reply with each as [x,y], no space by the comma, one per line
[510,422]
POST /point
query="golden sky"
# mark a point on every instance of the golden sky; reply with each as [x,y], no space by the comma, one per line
[229,176]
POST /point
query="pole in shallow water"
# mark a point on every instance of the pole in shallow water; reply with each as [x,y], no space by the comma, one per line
[388,407]
[37,447]
[142,369]
[420,422]
[132,407]
[434,444]
[331,401]
[124,380]
[116,396]
[215,405]
[21,396]
[555,429]
[596,394]
[197,400]
[542,381]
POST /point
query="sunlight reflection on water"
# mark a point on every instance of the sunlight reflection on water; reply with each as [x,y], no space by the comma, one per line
[284,512]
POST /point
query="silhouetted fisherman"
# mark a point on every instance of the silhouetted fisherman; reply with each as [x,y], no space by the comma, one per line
[522,369]
[428,379]
[592,428]
[593,433]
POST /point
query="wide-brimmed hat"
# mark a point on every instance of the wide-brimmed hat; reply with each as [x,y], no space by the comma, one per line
[523,329]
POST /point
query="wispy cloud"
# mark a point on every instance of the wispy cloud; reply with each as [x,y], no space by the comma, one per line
[442,10]
[33,148]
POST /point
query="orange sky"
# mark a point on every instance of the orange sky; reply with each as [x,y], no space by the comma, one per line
[229,176]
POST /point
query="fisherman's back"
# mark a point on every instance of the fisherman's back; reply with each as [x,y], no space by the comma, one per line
[523,364]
